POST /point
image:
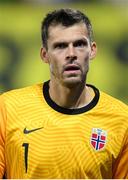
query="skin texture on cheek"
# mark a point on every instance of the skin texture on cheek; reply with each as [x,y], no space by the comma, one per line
[54,69]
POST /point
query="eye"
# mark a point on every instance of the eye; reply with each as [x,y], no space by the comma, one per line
[80,43]
[60,46]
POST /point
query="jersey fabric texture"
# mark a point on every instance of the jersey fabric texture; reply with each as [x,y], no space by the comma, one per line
[39,139]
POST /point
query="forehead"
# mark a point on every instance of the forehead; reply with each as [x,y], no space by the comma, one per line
[62,33]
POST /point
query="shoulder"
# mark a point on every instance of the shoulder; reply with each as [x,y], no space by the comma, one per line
[19,95]
[106,98]
[108,102]
[114,114]
[113,105]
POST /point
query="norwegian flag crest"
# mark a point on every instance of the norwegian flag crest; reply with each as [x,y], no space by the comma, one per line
[98,138]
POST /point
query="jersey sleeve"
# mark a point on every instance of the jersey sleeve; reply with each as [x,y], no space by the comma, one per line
[121,165]
[2,138]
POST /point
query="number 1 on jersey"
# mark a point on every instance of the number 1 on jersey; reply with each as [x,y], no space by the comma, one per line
[25,145]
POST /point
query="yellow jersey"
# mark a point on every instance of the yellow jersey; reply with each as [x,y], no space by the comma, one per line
[39,139]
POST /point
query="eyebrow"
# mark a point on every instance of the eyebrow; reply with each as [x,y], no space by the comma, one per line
[84,41]
[59,43]
[63,42]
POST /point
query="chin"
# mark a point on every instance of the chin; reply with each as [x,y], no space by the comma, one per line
[72,82]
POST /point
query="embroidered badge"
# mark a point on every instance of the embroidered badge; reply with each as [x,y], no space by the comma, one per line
[98,138]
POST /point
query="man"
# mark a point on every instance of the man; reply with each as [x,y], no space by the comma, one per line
[64,128]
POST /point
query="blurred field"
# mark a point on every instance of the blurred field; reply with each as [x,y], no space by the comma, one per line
[20,42]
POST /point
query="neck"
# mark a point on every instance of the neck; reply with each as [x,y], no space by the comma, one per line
[70,97]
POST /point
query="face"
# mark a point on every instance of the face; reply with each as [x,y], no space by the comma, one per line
[68,54]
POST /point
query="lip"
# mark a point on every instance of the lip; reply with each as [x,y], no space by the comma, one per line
[71,68]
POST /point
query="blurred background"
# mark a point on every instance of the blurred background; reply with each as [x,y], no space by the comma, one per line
[20,42]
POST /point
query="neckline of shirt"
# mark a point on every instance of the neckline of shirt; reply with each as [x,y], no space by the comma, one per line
[63,110]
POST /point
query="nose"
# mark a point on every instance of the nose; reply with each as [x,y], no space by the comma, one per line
[71,54]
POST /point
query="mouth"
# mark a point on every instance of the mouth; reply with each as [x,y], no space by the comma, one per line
[71,68]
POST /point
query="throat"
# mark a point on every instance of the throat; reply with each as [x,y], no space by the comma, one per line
[71,98]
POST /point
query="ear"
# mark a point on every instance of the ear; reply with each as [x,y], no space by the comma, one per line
[93,50]
[44,55]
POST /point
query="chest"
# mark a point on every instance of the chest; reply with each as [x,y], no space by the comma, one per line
[54,146]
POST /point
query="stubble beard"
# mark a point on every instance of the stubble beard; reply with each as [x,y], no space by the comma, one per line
[70,81]
[74,81]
